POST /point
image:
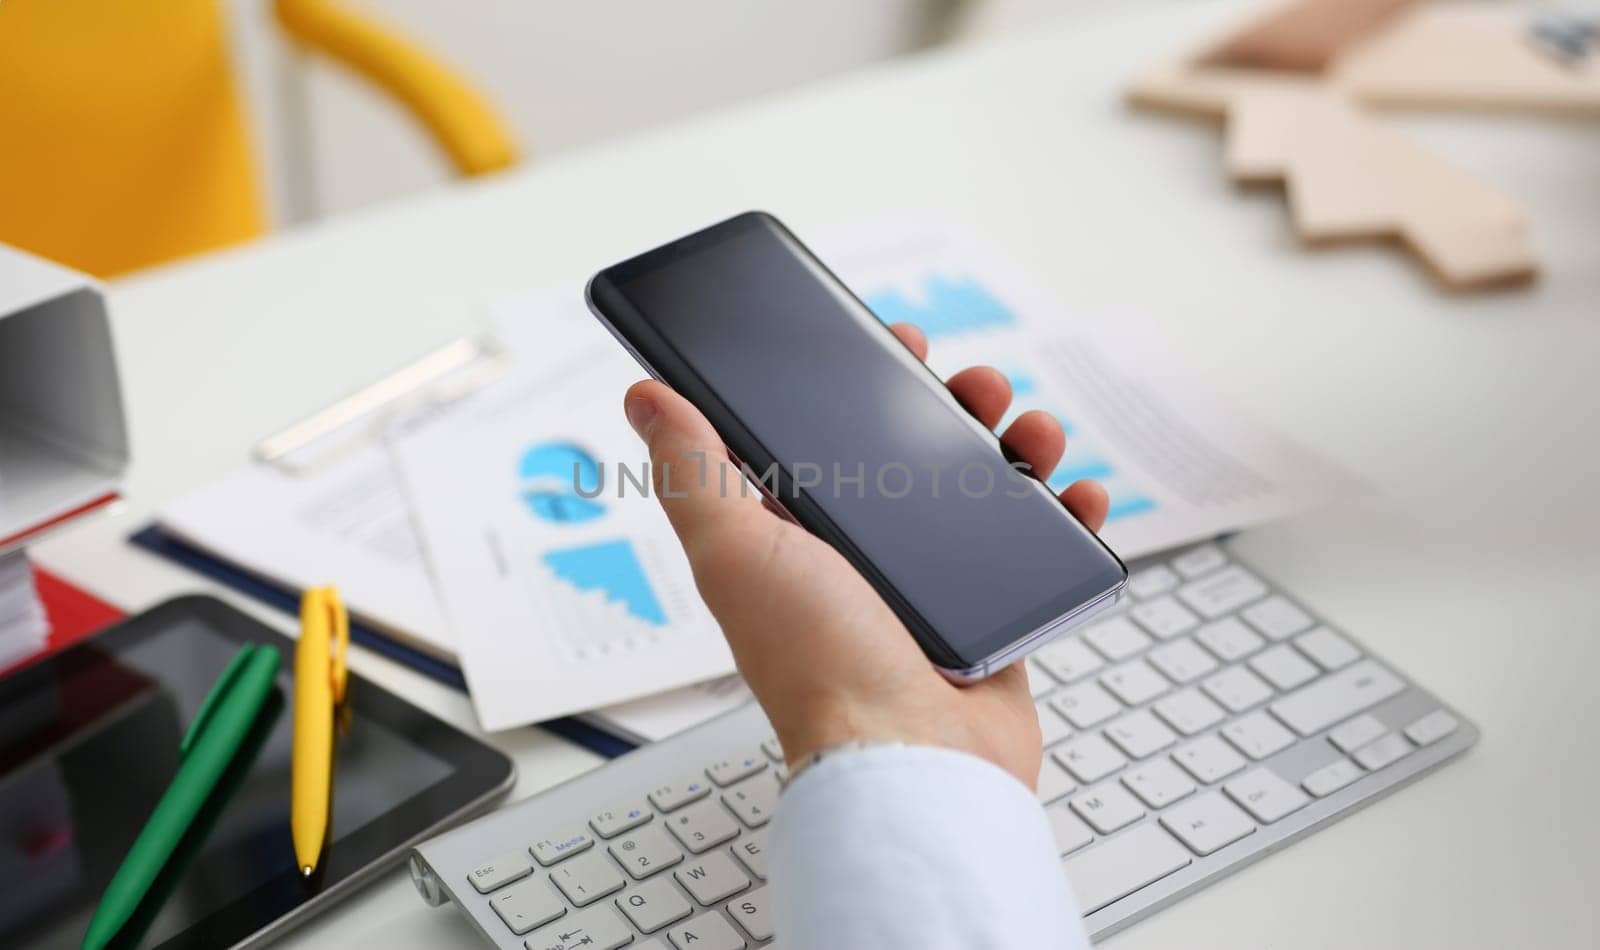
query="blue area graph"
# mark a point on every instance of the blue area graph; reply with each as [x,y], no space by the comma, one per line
[1022,382]
[611,567]
[946,308]
[551,474]
[1070,471]
[1126,507]
[1125,500]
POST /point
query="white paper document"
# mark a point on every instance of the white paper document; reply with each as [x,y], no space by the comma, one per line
[348,522]
[24,627]
[346,525]
[564,583]
[1178,462]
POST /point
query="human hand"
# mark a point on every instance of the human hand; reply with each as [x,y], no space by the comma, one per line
[825,656]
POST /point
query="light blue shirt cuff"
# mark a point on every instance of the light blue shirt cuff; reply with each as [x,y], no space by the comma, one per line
[899,846]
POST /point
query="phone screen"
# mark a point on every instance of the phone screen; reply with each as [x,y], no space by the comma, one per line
[855,437]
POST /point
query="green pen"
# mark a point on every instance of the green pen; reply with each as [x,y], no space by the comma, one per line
[210,745]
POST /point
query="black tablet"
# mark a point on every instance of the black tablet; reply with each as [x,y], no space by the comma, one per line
[89,742]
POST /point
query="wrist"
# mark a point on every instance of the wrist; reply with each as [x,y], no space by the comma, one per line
[827,729]
[812,758]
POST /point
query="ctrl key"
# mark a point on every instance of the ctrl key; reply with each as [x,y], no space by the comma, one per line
[528,905]
[598,928]
[498,872]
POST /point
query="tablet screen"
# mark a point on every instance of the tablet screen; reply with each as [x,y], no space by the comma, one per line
[89,743]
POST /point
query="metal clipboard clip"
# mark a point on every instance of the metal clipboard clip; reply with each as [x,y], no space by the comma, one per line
[405,397]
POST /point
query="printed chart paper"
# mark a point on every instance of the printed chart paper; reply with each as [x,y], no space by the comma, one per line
[1179,463]
[564,583]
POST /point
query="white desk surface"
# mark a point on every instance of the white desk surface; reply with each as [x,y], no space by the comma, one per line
[1472,566]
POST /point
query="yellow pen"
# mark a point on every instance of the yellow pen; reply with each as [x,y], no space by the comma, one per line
[319,683]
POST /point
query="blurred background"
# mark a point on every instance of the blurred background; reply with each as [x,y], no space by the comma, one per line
[562,75]
[154,131]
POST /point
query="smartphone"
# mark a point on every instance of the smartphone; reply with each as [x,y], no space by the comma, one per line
[841,425]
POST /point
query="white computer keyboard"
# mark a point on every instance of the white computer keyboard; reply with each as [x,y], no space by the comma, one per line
[1208,720]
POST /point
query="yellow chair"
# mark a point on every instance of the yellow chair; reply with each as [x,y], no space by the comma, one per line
[123,141]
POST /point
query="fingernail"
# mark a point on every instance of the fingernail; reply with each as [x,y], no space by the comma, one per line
[642,412]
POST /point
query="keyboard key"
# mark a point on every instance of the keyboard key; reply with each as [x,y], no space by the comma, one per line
[753,914]
[1237,688]
[1265,795]
[709,931]
[1209,760]
[499,872]
[1330,778]
[1089,758]
[1257,735]
[645,852]
[1158,783]
[1182,661]
[598,928]
[1067,659]
[1108,808]
[614,821]
[587,878]
[1229,639]
[1039,680]
[1352,735]
[1135,683]
[1140,734]
[1116,639]
[1201,560]
[529,904]
[550,850]
[1067,828]
[751,850]
[1086,705]
[1189,712]
[678,794]
[1432,727]
[1164,617]
[1336,697]
[1054,781]
[770,746]
[1052,728]
[654,905]
[1152,581]
[1222,592]
[711,878]
[1389,749]
[1277,617]
[702,827]
[1208,823]
[1118,867]
[728,771]
[1283,667]
[1331,651]
[753,801]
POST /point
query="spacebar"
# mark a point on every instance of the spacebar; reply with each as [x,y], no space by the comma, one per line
[1118,867]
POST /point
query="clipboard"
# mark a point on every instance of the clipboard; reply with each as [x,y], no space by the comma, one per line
[410,396]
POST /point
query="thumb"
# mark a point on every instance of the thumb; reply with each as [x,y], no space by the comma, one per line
[704,494]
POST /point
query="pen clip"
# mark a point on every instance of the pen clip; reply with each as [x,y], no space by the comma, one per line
[339,619]
[219,690]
